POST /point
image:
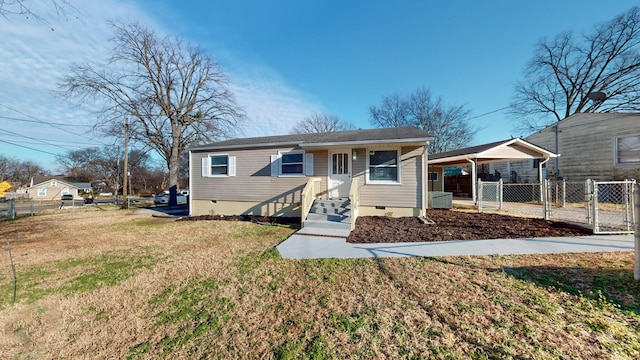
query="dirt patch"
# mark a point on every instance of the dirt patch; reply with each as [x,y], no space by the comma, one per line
[254,219]
[457,225]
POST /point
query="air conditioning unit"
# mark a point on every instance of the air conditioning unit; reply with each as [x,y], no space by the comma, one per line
[440,200]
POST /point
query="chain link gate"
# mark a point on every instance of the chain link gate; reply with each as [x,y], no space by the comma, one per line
[611,206]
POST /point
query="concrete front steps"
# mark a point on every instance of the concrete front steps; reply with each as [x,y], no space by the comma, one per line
[328,218]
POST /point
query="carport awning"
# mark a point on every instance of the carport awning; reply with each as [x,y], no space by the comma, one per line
[500,151]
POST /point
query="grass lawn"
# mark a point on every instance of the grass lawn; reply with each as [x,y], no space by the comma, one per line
[107,284]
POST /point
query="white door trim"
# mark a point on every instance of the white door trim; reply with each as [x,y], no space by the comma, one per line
[330,169]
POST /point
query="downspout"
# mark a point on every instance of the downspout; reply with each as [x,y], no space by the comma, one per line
[425,195]
[540,164]
[473,180]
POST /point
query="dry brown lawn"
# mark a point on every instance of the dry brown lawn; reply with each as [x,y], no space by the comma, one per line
[109,284]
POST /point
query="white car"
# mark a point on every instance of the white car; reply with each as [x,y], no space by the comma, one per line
[163,199]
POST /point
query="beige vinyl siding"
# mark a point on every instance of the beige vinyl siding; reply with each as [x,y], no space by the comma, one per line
[321,169]
[253,181]
[405,194]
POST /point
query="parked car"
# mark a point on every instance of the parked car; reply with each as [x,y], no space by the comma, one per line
[66,197]
[163,199]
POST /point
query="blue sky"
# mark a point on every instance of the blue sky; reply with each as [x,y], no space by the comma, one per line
[288,59]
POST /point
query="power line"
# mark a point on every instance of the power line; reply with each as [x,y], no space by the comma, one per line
[46,123]
[42,122]
[490,112]
[66,143]
[31,138]
[27,147]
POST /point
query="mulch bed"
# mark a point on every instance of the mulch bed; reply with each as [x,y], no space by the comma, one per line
[457,225]
[449,225]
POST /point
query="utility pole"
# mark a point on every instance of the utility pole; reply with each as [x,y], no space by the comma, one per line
[125,202]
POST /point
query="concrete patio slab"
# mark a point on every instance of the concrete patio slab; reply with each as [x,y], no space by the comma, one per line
[313,247]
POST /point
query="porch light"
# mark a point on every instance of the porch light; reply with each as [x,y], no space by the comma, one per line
[355,155]
[372,152]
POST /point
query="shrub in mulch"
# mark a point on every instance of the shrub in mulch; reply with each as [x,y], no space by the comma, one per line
[253,218]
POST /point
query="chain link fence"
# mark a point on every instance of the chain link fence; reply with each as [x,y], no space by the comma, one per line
[606,207]
[13,208]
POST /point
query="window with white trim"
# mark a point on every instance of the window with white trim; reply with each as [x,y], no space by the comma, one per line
[627,149]
[383,166]
[292,163]
[218,165]
[42,191]
[54,183]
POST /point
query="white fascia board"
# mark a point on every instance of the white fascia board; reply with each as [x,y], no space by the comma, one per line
[245,146]
[417,141]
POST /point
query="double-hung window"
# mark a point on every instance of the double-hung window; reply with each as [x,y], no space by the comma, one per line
[42,191]
[217,165]
[292,163]
[627,149]
[383,166]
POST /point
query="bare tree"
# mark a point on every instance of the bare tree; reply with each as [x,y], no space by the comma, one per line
[566,69]
[320,123]
[62,8]
[17,172]
[449,124]
[174,94]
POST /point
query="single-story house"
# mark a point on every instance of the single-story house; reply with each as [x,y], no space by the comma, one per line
[52,188]
[266,175]
[598,146]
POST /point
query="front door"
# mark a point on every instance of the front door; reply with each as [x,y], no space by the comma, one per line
[339,174]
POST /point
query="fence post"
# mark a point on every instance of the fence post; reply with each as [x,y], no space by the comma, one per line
[479,195]
[588,199]
[564,193]
[596,228]
[12,208]
[636,263]
[632,189]
[500,189]
[544,188]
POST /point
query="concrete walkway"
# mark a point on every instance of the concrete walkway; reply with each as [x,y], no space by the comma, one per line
[313,247]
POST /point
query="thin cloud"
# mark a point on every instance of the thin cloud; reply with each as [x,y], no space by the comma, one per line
[34,59]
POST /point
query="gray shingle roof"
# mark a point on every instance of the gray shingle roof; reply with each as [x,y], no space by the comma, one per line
[398,133]
[467,151]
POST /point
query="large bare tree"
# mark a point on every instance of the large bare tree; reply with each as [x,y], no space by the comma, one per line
[449,124]
[173,93]
[320,123]
[595,72]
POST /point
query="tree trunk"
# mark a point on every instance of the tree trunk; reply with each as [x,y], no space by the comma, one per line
[174,168]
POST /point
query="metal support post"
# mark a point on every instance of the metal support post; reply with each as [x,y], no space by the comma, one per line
[636,263]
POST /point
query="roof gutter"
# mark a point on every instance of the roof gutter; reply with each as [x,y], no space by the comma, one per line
[366,142]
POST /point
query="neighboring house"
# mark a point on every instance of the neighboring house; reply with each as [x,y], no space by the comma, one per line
[52,188]
[603,146]
[266,175]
